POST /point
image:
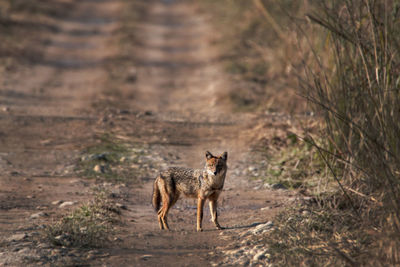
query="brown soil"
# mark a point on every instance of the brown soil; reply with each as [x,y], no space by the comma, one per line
[172,102]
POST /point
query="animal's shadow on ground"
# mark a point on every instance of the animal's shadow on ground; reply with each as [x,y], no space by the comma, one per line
[235,227]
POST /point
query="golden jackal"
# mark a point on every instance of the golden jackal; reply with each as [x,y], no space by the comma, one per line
[201,184]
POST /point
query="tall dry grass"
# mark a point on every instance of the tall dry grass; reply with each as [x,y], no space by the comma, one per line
[349,53]
[355,86]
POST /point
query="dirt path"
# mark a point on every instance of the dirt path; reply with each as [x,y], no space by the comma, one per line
[177,110]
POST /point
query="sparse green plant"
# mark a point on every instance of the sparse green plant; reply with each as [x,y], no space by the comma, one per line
[87,226]
[297,165]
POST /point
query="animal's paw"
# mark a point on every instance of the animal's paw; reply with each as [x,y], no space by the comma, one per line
[199,229]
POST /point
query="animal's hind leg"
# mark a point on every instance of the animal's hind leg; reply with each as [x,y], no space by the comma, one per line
[170,202]
[169,196]
[165,200]
[163,218]
[160,223]
[164,212]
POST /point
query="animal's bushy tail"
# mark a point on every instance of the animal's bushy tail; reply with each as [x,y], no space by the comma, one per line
[156,196]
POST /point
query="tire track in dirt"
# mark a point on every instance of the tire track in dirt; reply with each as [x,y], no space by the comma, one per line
[47,119]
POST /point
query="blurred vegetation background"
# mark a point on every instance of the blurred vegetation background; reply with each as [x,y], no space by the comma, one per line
[263,49]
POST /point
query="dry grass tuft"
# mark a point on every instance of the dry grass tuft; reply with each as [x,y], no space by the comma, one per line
[87,226]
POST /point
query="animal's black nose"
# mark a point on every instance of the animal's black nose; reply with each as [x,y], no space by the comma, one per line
[215,173]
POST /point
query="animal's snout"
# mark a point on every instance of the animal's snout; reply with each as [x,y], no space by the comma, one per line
[215,172]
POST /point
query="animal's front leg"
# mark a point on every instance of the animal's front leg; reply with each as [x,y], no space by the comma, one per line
[200,205]
[214,213]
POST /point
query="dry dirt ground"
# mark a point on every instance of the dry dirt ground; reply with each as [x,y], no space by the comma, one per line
[171,103]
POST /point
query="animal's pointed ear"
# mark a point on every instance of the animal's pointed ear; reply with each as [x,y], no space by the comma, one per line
[224,156]
[209,155]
